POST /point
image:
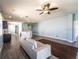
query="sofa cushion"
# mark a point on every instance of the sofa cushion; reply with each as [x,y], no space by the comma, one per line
[33,42]
[23,35]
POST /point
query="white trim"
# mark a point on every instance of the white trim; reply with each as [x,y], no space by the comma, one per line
[55,38]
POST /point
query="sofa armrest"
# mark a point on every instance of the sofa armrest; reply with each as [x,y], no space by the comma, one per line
[43,51]
[42,47]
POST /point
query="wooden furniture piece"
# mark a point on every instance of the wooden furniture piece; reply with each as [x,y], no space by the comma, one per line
[6,38]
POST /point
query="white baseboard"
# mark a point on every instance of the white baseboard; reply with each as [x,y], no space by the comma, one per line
[55,38]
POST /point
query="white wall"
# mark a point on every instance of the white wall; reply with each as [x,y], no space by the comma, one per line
[11,27]
[59,27]
[1,39]
[0,24]
[75,34]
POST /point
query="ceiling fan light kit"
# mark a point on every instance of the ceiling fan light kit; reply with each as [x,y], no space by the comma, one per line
[46,9]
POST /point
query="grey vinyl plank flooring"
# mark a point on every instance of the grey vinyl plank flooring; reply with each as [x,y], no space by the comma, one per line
[13,50]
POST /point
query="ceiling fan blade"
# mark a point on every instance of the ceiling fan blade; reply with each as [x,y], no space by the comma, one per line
[39,10]
[48,5]
[53,8]
[41,13]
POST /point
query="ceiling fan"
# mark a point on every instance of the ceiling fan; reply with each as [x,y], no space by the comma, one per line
[46,9]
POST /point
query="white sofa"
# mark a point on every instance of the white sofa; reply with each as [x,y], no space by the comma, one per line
[36,50]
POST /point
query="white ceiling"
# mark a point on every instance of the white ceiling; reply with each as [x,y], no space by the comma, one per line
[18,9]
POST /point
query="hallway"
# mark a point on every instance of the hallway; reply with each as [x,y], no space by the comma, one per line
[13,50]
